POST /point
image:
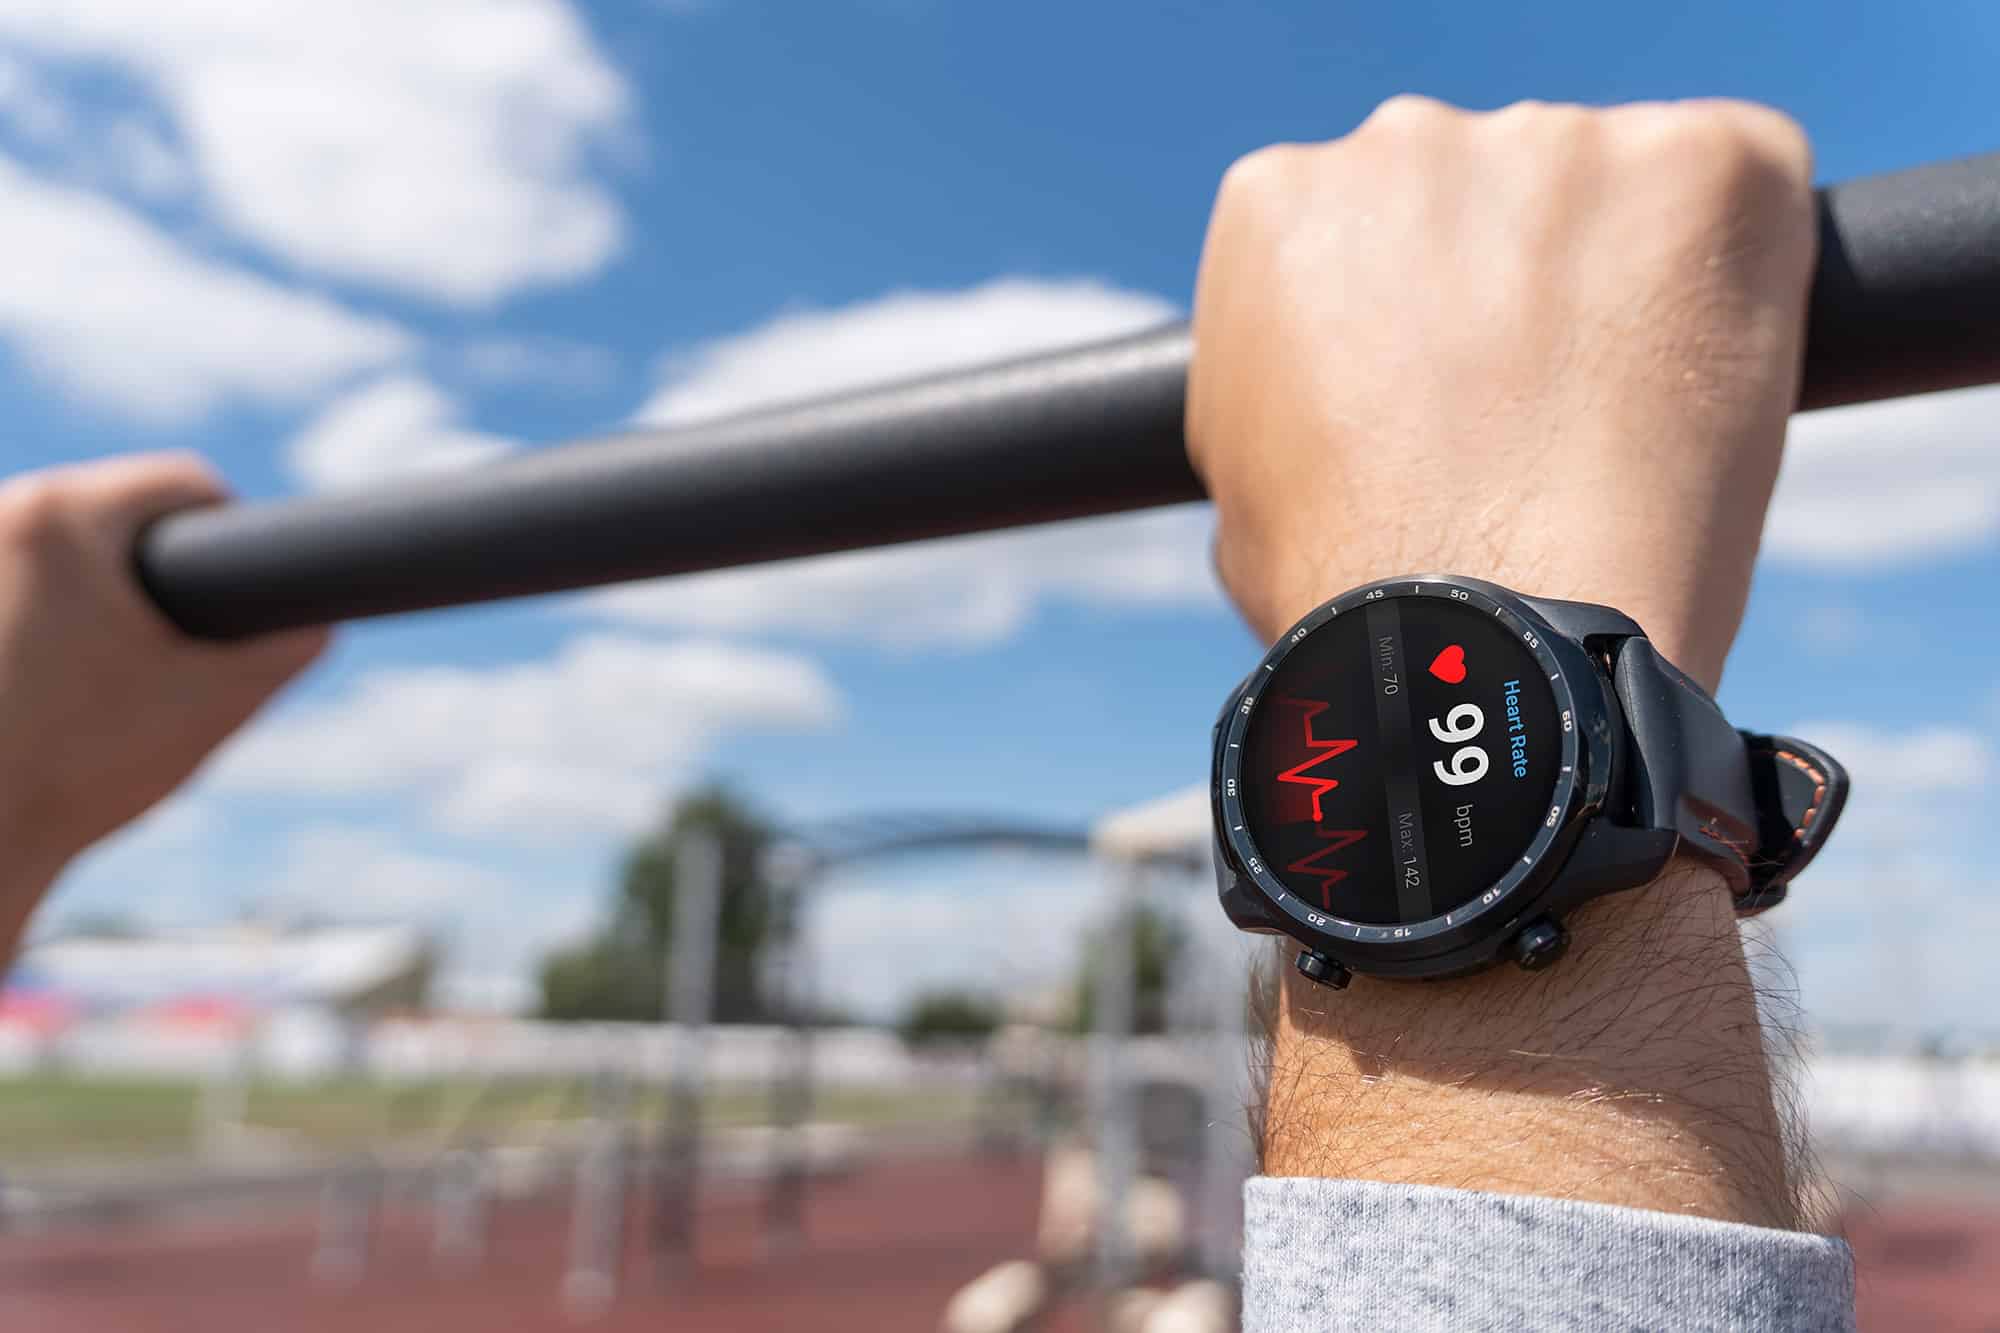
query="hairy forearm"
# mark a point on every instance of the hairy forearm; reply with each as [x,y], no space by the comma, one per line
[1633,1072]
[1582,395]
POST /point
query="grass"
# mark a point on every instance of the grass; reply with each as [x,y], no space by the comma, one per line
[53,1116]
[47,1116]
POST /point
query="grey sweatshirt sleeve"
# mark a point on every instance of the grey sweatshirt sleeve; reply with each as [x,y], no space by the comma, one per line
[1359,1254]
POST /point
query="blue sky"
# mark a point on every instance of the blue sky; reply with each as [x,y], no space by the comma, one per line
[326,244]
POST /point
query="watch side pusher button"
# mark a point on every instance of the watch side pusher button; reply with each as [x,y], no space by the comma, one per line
[1317,967]
[1539,944]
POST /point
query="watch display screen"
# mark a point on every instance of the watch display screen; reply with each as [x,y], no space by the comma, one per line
[1400,760]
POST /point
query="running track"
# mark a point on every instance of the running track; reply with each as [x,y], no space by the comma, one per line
[888,1247]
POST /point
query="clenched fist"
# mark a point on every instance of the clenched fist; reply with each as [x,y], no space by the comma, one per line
[1551,346]
[104,706]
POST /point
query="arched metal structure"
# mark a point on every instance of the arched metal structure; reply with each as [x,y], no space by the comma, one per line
[809,854]
[799,863]
[838,843]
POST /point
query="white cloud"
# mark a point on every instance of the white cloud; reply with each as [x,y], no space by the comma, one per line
[811,352]
[140,158]
[495,921]
[161,868]
[175,824]
[588,741]
[1911,788]
[1894,942]
[492,958]
[91,143]
[29,106]
[1880,926]
[1833,629]
[559,363]
[1914,763]
[107,306]
[485,991]
[342,871]
[1899,481]
[1005,929]
[438,148]
[556,801]
[398,426]
[966,591]
[1013,926]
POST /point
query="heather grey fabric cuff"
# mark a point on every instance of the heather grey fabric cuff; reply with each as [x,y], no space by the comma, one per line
[1359,1254]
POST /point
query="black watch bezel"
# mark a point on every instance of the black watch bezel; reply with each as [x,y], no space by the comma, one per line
[1477,931]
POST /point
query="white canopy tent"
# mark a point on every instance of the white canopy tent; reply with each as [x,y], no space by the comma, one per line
[1169,835]
[1167,829]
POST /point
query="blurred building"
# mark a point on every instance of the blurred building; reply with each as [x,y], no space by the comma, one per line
[199,1000]
[358,971]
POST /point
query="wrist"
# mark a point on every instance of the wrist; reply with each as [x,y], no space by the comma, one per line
[1669,599]
[1634,1073]
[30,862]
[37,834]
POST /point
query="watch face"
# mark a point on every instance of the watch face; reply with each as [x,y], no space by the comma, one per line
[1402,756]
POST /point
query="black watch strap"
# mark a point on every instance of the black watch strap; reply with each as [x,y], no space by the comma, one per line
[1759,807]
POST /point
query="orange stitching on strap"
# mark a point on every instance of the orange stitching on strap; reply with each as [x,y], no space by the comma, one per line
[1819,788]
[1709,829]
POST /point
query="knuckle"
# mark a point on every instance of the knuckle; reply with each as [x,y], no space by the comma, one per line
[1773,143]
[1261,173]
[1408,114]
[1263,184]
[1553,128]
[33,512]
[1674,137]
[1531,114]
[1226,559]
[190,469]
[1733,150]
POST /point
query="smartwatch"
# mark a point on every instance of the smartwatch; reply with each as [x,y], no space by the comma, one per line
[1427,775]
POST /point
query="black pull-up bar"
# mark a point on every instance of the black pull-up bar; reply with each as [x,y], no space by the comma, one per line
[1906,300]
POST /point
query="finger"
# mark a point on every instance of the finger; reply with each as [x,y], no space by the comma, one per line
[119,496]
[236,680]
[270,660]
[1750,133]
[1774,134]
[106,505]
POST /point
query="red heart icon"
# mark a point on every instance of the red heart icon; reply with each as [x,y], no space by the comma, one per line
[1449,665]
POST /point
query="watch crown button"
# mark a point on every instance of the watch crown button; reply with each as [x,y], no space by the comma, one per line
[1317,967]
[1539,944]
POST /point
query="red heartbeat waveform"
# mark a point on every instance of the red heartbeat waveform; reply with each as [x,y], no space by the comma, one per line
[1328,876]
[1326,750]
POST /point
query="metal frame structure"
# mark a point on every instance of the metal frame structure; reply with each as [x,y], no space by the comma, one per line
[799,865]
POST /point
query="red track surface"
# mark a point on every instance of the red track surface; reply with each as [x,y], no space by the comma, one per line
[1927,1268]
[888,1247]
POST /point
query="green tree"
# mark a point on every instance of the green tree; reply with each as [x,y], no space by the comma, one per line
[601,978]
[1157,946]
[620,973]
[939,1017]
